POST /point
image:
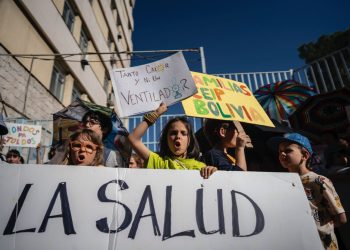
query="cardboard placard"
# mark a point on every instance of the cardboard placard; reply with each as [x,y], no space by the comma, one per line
[22,135]
[71,207]
[224,99]
[143,88]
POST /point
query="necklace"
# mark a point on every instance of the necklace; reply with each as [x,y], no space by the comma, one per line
[181,164]
[230,158]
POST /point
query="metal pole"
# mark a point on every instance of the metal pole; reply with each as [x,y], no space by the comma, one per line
[204,68]
[26,90]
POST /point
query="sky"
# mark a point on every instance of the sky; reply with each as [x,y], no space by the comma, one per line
[237,35]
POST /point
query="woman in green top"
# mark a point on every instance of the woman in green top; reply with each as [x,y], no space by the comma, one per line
[178,145]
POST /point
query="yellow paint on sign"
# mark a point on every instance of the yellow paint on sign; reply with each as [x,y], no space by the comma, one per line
[225,99]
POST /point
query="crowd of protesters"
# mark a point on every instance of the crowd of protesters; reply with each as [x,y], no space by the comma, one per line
[179,150]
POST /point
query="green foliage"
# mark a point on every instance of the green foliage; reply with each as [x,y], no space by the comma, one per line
[325,45]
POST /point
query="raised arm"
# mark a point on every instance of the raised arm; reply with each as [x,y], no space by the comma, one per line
[242,140]
[340,219]
[136,135]
[38,155]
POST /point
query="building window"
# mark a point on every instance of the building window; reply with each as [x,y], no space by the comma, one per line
[119,28]
[76,93]
[57,82]
[113,5]
[68,15]
[106,81]
[110,40]
[84,41]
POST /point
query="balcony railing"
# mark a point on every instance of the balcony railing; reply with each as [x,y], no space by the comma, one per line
[255,80]
[324,75]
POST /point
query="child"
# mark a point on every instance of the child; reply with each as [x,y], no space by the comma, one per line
[295,155]
[178,146]
[102,125]
[223,135]
[85,148]
[14,157]
[134,161]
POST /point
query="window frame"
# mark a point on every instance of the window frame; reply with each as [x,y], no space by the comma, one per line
[57,82]
[106,82]
[76,92]
[84,40]
[68,15]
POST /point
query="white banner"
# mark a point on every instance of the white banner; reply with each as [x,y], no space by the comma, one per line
[142,88]
[22,135]
[70,207]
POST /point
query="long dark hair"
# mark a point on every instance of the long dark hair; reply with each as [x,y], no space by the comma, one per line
[192,149]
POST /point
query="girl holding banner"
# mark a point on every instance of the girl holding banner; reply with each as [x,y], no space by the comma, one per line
[178,146]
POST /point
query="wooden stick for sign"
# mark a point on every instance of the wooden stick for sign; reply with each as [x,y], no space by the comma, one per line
[241,131]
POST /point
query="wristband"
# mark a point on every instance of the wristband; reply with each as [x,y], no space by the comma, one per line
[151,118]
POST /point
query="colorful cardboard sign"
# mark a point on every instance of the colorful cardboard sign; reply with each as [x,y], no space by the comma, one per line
[142,88]
[71,207]
[22,135]
[225,99]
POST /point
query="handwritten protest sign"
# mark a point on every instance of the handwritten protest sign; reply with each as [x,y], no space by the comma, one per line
[56,207]
[225,99]
[22,135]
[142,88]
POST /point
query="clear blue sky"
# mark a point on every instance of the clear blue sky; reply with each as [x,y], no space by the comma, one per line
[237,35]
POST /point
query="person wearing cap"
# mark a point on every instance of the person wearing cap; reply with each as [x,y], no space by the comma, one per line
[295,153]
[3,131]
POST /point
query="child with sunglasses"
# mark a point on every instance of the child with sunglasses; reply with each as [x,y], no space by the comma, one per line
[102,125]
[178,146]
[85,148]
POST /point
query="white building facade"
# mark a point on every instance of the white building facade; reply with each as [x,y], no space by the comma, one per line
[54,51]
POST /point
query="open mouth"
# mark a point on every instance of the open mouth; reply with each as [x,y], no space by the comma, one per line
[81,158]
[177,144]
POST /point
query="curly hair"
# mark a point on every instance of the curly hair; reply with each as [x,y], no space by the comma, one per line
[192,149]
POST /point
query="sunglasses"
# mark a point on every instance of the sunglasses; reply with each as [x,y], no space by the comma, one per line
[78,145]
[92,122]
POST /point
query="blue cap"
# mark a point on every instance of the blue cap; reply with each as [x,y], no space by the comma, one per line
[3,128]
[274,142]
